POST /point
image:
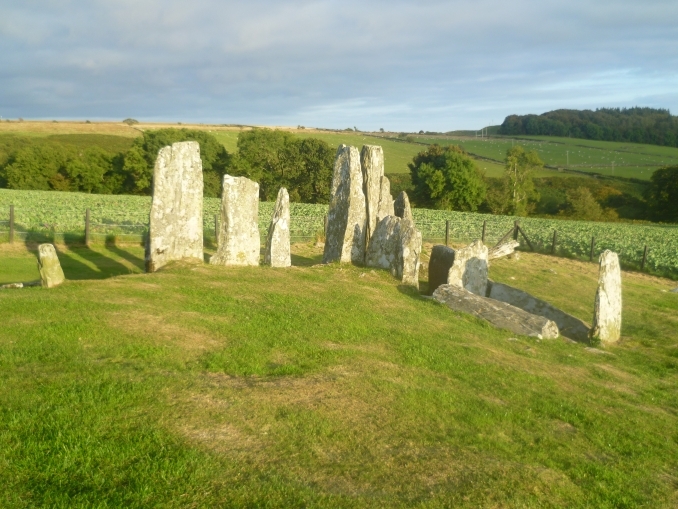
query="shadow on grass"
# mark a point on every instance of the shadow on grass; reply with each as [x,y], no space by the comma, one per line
[412,292]
[126,255]
[305,261]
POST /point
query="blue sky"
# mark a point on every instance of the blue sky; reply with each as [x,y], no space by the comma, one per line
[400,65]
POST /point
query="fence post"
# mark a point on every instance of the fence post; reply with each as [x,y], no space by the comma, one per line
[11,224]
[87,227]
[642,264]
[447,232]
[593,245]
[216,229]
[555,238]
[484,228]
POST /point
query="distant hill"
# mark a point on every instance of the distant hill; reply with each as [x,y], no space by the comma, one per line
[637,125]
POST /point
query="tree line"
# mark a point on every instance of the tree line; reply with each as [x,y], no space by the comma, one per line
[637,125]
[273,158]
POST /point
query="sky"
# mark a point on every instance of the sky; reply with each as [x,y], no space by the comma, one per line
[393,64]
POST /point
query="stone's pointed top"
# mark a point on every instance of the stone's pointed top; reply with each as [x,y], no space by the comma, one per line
[51,273]
[372,163]
[402,206]
[607,311]
[277,253]
[346,218]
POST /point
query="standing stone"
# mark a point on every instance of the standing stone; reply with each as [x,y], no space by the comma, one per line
[51,273]
[505,249]
[407,265]
[346,219]
[439,265]
[372,164]
[402,206]
[239,242]
[382,251]
[607,311]
[277,252]
[469,269]
[385,200]
[176,229]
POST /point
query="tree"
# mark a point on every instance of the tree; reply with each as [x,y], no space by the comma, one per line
[521,193]
[662,195]
[446,178]
[278,159]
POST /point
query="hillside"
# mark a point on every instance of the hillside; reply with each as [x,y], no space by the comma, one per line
[324,387]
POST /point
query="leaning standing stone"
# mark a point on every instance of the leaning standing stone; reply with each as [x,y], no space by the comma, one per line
[469,269]
[407,268]
[346,219]
[607,311]
[372,163]
[51,273]
[176,229]
[277,252]
[402,206]
[239,242]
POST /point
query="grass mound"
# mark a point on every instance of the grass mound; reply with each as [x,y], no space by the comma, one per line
[324,386]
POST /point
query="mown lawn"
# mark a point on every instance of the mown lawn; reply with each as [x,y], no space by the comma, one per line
[324,386]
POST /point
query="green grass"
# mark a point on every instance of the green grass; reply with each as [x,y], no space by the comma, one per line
[630,160]
[329,386]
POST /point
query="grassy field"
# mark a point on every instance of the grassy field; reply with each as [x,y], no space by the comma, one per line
[606,158]
[328,386]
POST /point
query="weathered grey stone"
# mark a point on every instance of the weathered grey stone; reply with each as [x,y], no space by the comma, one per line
[469,269]
[9,286]
[675,290]
[239,242]
[372,164]
[51,273]
[382,251]
[439,265]
[346,219]
[568,325]
[607,312]
[499,314]
[402,206]
[407,264]
[176,229]
[277,252]
[505,249]
[385,200]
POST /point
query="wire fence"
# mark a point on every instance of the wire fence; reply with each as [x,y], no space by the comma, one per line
[651,252]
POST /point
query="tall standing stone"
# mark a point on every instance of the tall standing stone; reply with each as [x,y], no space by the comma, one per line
[346,219]
[176,229]
[239,242]
[439,265]
[407,265]
[51,273]
[469,269]
[385,200]
[277,252]
[402,206]
[372,164]
[607,311]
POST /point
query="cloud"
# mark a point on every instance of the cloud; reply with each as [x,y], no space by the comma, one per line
[401,65]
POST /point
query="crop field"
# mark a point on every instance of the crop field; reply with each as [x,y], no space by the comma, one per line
[44,213]
[607,158]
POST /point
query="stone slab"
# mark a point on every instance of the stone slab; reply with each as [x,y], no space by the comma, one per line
[607,312]
[346,218]
[277,253]
[402,206]
[407,264]
[505,249]
[499,314]
[372,164]
[470,268]
[568,325]
[439,265]
[51,273]
[239,242]
[176,224]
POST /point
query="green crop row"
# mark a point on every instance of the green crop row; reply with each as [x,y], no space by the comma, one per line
[50,211]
